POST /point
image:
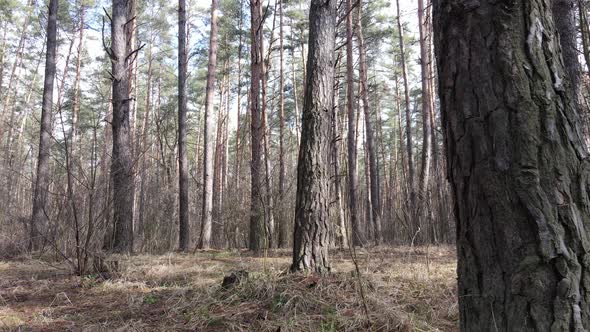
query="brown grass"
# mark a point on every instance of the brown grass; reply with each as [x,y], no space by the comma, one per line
[406,290]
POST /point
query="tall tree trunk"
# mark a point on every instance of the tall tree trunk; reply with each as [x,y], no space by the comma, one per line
[39,218]
[76,102]
[183,213]
[423,181]
[122,157]
[144,145]
[295,93]
[564,17]
[341,234]
[16,64]
[312,224]
[266,130]
[352,148]
[239,102]
[370,136]
[207,214]
[518,168]
[3,52]
[257,237]
[410,158]
[282,220]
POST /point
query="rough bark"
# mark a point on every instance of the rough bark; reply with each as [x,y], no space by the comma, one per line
[517,165]
[351,139]
[564,17]
[209,138]
[257,237]
[312,224]
[122,157]
[39,220]
[183,212]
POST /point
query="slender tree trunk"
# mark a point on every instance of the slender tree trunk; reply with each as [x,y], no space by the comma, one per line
[266,130]
[217,226]
[257,236]
[74,146]
[374,186]
[183,213]
[16,64]
[410,158]
[341,234]
[282,220]
[207,214]
[518,168]
[423,181]
[564,16]
[357,239]
[39,217]
[144,146]
[3,52]
[584,31]
[312,224]
[239,107]
[295,93]
[122,157]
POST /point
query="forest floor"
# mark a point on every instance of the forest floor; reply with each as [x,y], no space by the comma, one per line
[403,289]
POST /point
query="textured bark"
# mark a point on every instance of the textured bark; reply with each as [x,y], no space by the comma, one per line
[564,17]
[517,165]
[257,236]
[312,224]
[122,157]
[352,173]
[39,220]
[207,214]
[183,212]
[584,30]
[374,186]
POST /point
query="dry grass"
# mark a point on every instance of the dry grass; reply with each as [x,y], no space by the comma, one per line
[406,290]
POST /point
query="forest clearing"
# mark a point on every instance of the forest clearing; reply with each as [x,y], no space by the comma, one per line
[295,165]
[406,289]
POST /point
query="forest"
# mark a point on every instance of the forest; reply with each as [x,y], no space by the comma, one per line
[291,165]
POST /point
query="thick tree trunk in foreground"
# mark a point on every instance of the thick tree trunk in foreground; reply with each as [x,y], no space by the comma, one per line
[257,236]
[183,213]
[39,217]
[122,158]
[312,224]
[518,168]
[207,215]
